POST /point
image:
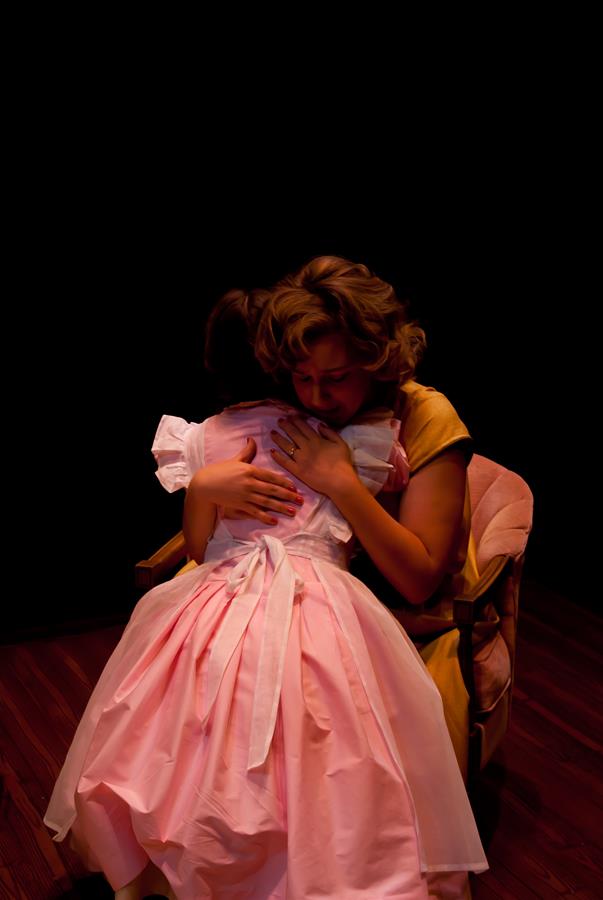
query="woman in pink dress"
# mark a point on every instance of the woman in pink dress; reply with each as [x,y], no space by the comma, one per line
[265,728]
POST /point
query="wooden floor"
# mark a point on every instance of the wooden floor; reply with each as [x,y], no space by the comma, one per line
[539,805]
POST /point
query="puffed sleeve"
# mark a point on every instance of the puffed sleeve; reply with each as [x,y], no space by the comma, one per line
[178,451]
[430,424]
[378,459]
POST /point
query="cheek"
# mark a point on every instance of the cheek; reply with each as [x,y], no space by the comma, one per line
[301,392]
[358,391]
[299,388]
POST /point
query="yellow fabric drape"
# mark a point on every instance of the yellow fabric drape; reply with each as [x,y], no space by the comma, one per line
[429,425]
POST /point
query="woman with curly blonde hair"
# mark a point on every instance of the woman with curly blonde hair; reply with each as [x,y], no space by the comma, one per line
[330,295]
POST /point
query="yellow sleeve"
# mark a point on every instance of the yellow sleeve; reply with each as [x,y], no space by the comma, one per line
[429,424]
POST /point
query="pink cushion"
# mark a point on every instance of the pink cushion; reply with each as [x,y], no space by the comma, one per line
[501,520]
[491,672]
[501,510]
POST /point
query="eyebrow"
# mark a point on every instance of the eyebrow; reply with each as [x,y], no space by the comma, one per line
[336,369]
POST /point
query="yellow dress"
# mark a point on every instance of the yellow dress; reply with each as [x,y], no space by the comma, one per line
[429,425]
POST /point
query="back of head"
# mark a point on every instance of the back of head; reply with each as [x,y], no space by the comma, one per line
[229,347]
[331,294]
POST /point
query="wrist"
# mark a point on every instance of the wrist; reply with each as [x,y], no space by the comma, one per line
[343,483]
[198,482]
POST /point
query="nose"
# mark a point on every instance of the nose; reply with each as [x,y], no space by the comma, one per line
[320,399]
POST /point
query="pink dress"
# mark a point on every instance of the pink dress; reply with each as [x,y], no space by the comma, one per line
[265,728]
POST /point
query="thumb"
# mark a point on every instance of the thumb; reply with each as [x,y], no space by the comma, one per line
[248,451]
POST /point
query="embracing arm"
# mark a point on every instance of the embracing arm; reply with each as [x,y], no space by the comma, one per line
[414,552]
[198,519]
[243,490]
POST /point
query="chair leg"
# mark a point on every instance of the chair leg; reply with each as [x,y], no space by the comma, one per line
[474,760]
[465,651]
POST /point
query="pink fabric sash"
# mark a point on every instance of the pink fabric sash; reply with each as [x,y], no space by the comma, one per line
[247,581]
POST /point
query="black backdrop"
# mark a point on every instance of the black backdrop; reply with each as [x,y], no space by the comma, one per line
[117,343]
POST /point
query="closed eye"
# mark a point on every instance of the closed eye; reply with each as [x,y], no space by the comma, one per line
[333,378]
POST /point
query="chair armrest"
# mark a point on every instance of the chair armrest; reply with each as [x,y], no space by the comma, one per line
[152,571]
[466,612]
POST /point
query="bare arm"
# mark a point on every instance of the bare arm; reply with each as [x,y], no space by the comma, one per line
[243,490]
[414,552]
[198,520]
[246,491]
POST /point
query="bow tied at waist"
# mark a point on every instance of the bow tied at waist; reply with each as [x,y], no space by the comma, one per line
[245,587]
[246,581]
[244,569]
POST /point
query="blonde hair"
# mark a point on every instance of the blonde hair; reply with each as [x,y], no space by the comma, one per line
[331,294]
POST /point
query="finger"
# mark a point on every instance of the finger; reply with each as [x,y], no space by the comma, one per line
[302,427]
[248,451]
[275,500]
[264,475]
[296,428]
[230,513]
[328,433]
[285,461]
[281,442]
[271,503]
[266,491]
[256,513]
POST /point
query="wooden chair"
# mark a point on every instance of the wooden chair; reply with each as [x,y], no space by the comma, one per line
[501,520]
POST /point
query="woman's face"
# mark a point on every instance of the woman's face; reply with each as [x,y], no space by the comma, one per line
[329,383]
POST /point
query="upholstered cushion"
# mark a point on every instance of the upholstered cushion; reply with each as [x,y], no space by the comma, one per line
[501,510]
[501,519]
[491,672]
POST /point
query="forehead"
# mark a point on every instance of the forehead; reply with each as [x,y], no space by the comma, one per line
[326,353]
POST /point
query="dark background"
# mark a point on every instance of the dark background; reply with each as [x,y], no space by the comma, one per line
[125,277]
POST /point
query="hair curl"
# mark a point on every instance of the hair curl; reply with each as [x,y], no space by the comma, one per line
[330,294]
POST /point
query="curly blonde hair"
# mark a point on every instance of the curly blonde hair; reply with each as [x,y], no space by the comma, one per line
[331,294]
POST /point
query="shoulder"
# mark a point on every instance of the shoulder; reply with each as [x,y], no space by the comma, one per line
[430,424]
[415,396]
